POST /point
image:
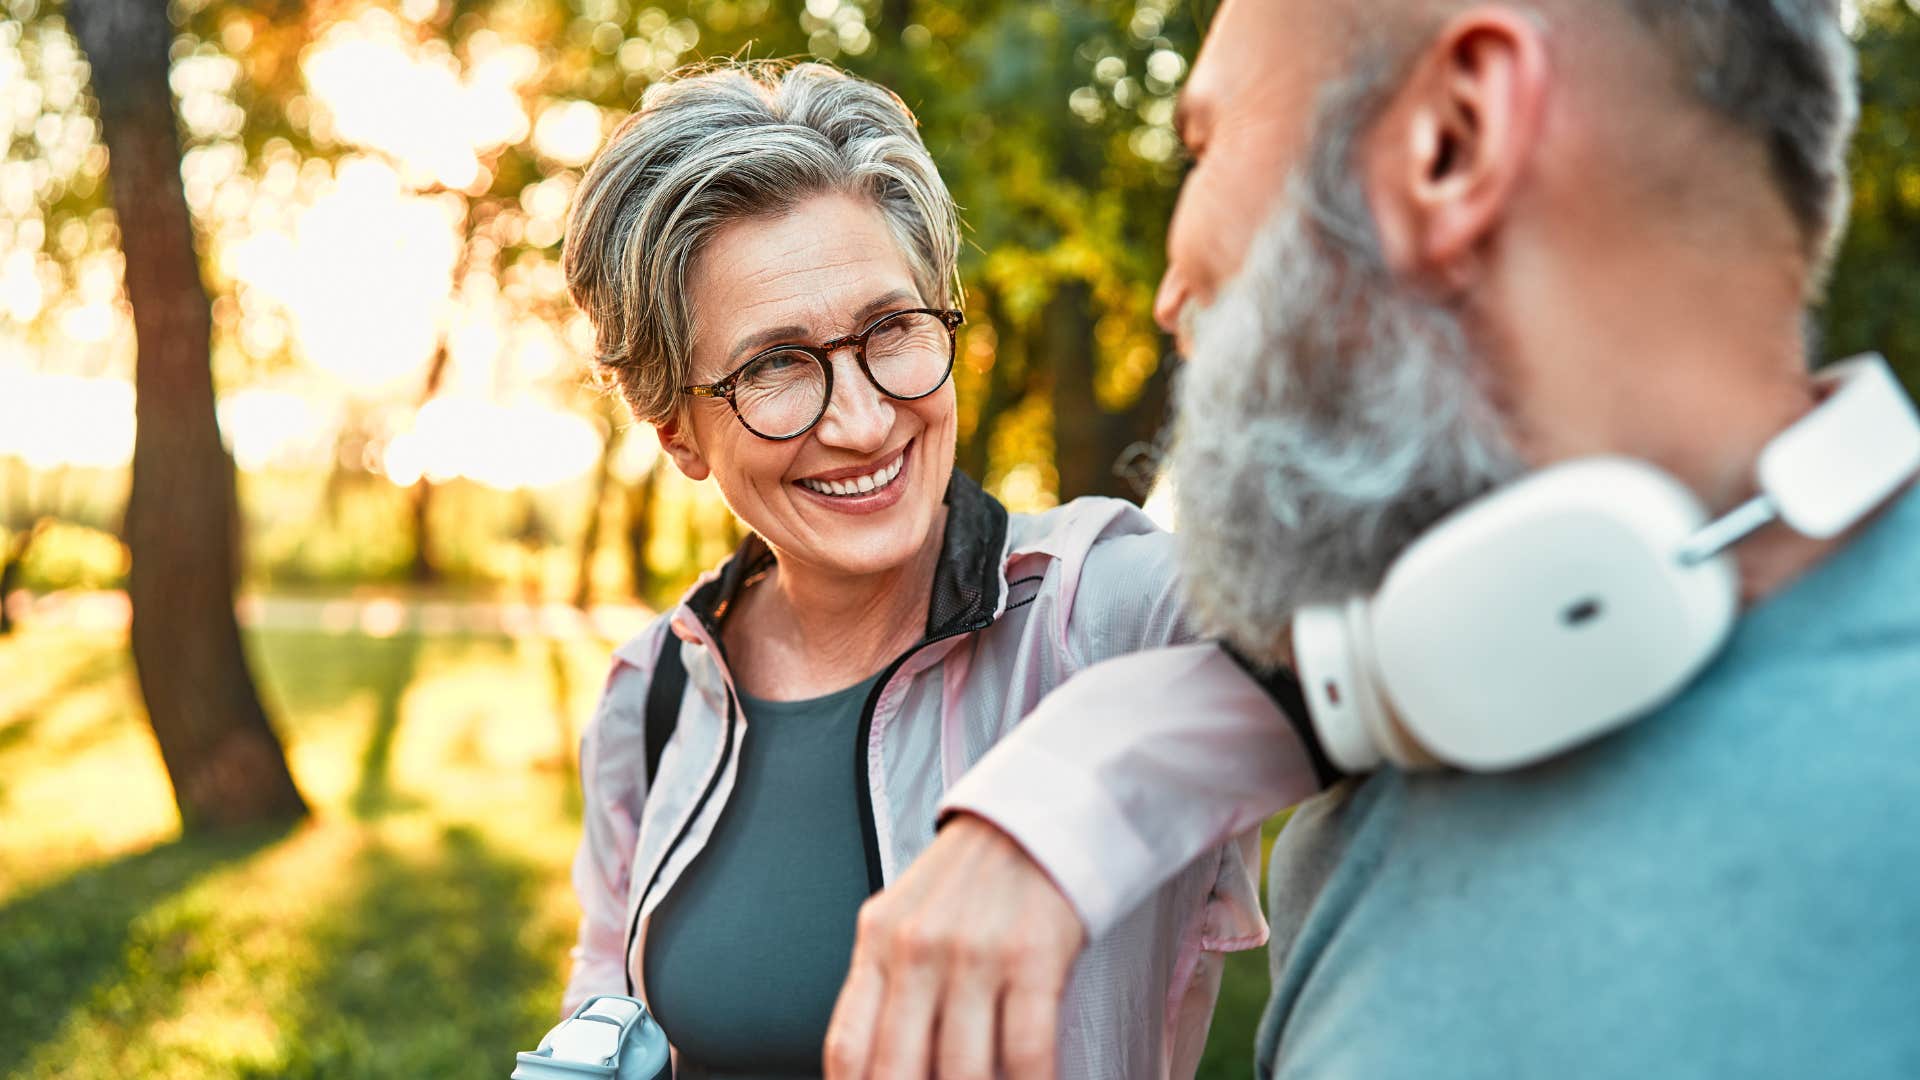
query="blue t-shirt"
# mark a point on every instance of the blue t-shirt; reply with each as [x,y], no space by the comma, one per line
[746,955]
[1730,887]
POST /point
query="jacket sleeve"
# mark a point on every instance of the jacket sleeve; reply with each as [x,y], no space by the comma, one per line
[613,789]
[1126,598]
[1135,767]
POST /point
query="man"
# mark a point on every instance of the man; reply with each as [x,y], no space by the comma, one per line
[1502,235]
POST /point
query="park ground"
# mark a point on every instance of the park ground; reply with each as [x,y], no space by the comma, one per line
[416,926]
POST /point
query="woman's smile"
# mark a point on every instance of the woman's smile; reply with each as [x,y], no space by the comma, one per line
[862,489]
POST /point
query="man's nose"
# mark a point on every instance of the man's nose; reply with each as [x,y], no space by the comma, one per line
[1169,301]
[859,417]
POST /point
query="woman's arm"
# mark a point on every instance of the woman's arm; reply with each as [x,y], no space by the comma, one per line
[1118,780]
[1132,769]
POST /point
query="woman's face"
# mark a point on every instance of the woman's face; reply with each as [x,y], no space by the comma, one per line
[825,270]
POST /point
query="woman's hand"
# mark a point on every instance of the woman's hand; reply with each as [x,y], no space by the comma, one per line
[958,967]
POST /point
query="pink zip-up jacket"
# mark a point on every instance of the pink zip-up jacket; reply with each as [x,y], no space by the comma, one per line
[1147,759]
[1020,605]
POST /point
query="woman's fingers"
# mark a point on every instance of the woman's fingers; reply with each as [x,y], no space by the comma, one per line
[972,924]
[965,1039]
[1029,1028]
[916,970]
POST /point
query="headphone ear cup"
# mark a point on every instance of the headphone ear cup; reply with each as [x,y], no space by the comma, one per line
[1336,677]
[1354,723]
[1548,613]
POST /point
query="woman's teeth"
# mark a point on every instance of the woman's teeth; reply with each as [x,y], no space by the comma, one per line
[858,485]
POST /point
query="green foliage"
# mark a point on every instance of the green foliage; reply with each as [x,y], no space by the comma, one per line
[1874,300]
[73,557]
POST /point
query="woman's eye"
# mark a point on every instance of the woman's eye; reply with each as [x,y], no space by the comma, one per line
[777,366]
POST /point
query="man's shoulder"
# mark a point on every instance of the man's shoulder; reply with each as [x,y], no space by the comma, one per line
[1743,856]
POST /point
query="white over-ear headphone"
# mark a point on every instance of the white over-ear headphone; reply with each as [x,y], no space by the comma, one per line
[1580,598]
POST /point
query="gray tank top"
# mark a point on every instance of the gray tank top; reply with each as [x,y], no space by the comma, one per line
[745,957]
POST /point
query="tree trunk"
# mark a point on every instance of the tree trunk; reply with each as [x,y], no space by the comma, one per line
[182,523]
[590,539]
[1134,436]
[640,529]
[424,570]
[1079,452]
[12,559]
[1096,452]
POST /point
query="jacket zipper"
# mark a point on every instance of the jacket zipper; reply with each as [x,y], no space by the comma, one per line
[660,867]
[869,828]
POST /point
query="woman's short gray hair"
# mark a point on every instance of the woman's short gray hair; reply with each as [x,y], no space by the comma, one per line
[719,144]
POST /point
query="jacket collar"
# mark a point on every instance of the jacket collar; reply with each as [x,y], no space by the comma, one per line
[968,584]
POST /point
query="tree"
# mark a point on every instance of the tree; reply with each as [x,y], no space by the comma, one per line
[13,556]
[1874,300]
[226,763]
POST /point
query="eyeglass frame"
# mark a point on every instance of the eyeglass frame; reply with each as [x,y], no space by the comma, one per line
[822,354]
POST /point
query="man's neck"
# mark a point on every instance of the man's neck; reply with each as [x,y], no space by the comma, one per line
[1701,361]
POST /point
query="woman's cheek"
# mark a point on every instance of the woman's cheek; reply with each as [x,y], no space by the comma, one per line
[944,427]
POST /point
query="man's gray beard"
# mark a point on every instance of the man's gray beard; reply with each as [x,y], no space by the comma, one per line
[1327,417]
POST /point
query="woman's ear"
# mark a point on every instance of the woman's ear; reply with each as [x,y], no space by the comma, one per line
[675,440]
[1448,157]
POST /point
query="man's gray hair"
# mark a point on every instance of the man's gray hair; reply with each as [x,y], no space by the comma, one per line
[720,144]
[1782,72]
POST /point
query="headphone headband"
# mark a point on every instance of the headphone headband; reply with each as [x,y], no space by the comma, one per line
[1582,596]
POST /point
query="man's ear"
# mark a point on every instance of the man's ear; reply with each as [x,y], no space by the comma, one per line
[674,439]
[1446,159]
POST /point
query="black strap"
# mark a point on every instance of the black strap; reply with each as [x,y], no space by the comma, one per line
[1284,688]
[663,715]
[663,701]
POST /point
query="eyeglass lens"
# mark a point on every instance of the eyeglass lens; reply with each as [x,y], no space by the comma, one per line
[781,393]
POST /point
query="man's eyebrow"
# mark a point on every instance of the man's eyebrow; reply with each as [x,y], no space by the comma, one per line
[792,334]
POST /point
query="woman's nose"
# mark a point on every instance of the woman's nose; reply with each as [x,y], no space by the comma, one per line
[859,417]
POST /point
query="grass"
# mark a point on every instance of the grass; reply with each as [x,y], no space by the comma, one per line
[417,926]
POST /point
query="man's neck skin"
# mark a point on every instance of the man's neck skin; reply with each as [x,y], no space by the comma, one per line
[803,632]
[1677,348]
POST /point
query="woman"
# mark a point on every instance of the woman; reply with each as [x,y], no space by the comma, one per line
[768,256]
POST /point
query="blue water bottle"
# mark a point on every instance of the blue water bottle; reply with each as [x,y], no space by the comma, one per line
[607,1036]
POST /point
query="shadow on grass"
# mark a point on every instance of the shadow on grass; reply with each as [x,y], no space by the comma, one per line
[307,674]
[390,671]
[105,722]
[63,945]
[18,724]
[426,970]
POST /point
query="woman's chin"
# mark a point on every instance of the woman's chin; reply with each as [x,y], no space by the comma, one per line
[860,552]
[859,545]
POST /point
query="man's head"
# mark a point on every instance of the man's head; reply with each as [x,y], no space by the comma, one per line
[1499,235]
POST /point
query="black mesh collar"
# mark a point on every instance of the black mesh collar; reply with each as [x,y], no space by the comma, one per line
[966,582]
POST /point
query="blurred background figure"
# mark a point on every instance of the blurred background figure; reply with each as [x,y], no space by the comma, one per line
[365,426]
